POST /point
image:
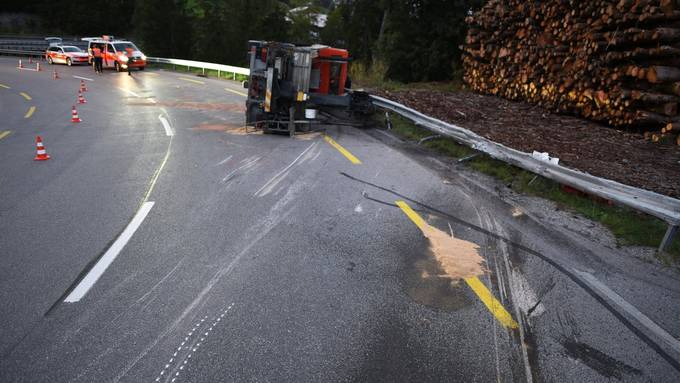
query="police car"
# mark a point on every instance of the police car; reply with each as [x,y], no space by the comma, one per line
[65,54]
[115,53]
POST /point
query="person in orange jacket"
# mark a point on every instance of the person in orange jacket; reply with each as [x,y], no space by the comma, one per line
[97,54]
[129,52]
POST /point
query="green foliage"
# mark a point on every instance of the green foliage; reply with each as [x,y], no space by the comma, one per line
[406,40]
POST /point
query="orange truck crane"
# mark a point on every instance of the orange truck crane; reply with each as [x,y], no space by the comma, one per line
[293,88]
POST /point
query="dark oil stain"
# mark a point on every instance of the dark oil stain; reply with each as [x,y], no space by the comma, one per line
[427,284]
[602,363]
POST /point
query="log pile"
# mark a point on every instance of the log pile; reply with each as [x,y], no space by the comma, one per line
[612,61]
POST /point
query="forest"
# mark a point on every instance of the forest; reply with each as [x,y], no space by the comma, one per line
[405,40]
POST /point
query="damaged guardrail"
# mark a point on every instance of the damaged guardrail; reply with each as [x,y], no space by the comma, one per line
[657,205]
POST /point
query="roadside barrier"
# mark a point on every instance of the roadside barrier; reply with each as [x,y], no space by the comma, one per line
[74,115]
[40,152]
[655,204]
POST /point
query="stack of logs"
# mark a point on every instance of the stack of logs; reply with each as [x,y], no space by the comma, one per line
[612,61]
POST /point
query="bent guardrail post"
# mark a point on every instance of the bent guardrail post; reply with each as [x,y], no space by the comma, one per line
[658,205]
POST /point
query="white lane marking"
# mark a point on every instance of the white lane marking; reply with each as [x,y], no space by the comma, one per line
[128,91]
[83,78]
[641,318]
[276,177]
[166,125]
[105,261]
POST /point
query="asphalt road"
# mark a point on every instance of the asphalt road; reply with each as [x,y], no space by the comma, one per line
[162,243]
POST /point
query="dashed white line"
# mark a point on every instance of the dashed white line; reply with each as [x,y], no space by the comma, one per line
[105,261]
[83,78]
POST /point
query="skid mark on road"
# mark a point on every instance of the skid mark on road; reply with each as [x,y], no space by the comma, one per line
[248,163]
[280,176]
[462,266]
[190,346]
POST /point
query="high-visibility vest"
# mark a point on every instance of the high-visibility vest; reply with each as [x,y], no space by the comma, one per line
[97,52]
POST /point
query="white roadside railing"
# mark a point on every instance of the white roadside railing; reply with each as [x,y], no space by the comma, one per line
[234,70]
[657,205]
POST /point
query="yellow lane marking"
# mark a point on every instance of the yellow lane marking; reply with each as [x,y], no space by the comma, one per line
[236,92]
[4,86]
[191,80]
[25,95]
[342,150]
[491,303]
[30,112]
[4,134]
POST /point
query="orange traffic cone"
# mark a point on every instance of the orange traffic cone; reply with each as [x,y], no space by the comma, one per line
[74,115]
[81,99]
[55,75]
[82,86]
[40,154]
[21,65]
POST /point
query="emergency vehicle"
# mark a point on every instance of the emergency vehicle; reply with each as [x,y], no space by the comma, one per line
[65,54]
[115,53]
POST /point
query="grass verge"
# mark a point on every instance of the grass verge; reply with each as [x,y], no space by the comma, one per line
[631,228]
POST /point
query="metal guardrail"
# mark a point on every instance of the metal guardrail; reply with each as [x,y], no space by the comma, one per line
[657,205]
[201,65]
[21,52]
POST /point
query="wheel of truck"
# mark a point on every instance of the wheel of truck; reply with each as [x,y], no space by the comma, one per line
[49,60]
[117,66]
[68,62]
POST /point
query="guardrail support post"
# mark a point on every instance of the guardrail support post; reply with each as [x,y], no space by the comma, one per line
[218,73]
[234,76]
[668,238]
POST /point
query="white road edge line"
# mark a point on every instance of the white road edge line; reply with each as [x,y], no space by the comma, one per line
[105,261]
[83,78]
[166,125]
[641,318]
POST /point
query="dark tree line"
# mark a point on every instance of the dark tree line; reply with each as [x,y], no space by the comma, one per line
[414,40]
